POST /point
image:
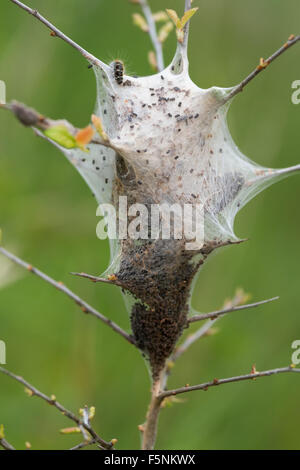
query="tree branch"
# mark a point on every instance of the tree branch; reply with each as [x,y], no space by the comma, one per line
[60,286]
[52,401]
[219,313]
[56,32]
[6,445]
[153,34]
[215,382]
[261,67]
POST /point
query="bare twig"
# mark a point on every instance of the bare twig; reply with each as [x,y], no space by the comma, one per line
[262,66]
[60,286]
[219,313]
[84,444]
[153,34]
[6,445]
[109,280]
[52,401]
[215,382]
[187,6]
[56,32]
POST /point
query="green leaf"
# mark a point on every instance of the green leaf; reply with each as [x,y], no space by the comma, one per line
[62,136]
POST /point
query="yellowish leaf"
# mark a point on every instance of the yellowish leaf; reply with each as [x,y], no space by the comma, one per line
[140,22]
[164,31]
[99,127]
[160,16]
[74,430]
[174,17]
[187,16]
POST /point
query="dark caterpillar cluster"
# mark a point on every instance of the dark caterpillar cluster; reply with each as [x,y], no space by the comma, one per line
[159,274]
[118,71]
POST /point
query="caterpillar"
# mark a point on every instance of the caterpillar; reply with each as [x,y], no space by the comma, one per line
[118,71]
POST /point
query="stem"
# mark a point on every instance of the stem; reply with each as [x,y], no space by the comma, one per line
[153,34]
[150,426]
[187,6]
[6,445]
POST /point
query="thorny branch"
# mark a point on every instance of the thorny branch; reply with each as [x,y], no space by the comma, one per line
[262,66]
[60,286]
[153,34]
[224,311]
[57,33]
[215,382]
[52,401]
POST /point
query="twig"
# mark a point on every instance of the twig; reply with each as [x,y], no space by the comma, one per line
[6,445]
[52,401]
[218,313]
[56,32]
[112,280]
[84,444]
[262,66]
[215,382]
[153,34]
[60,286]
[187,6]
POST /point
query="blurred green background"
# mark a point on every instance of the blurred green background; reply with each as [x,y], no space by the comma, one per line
[48,217]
